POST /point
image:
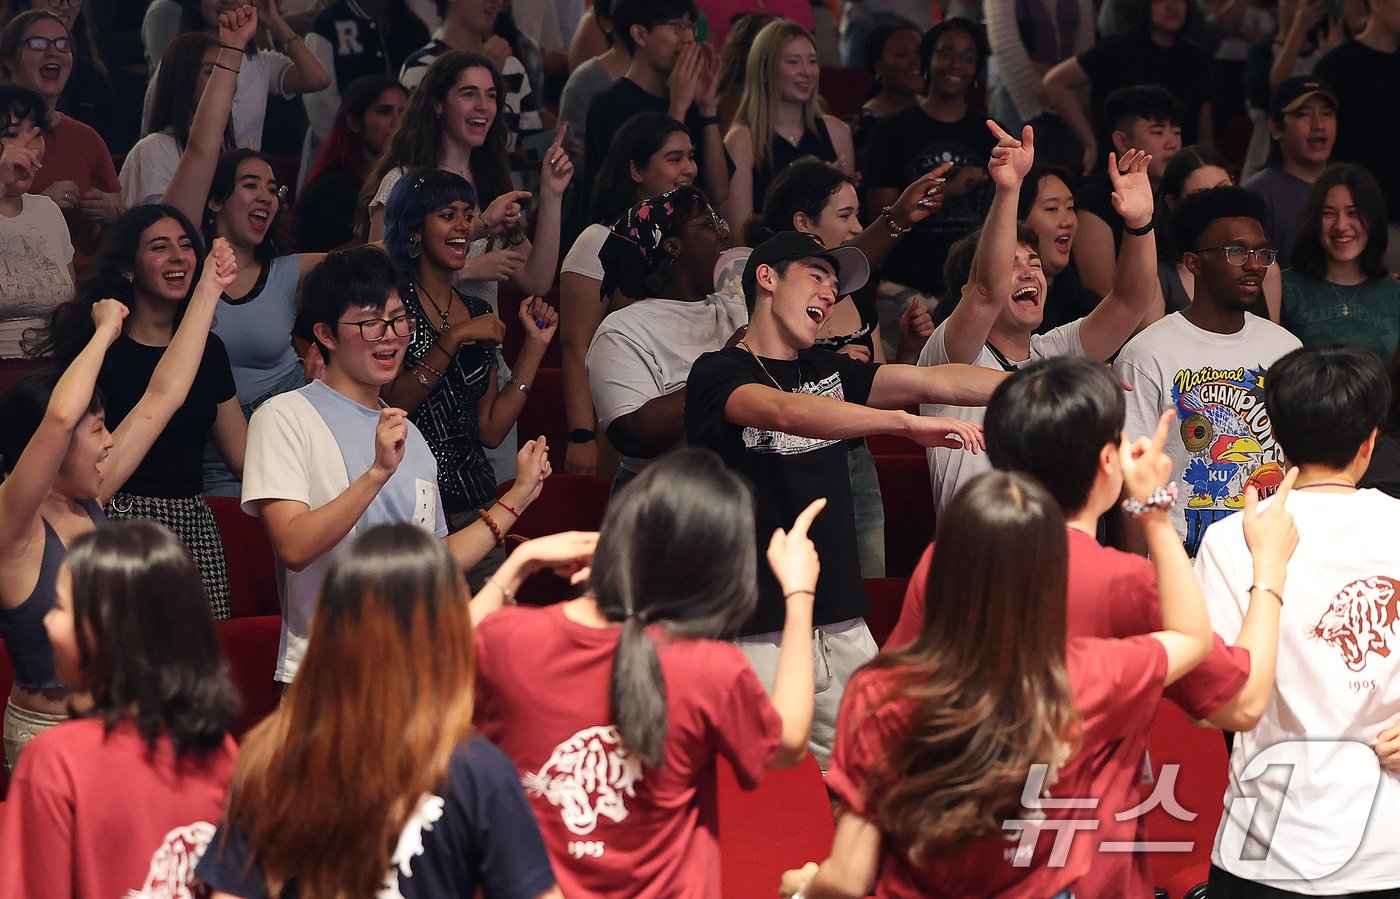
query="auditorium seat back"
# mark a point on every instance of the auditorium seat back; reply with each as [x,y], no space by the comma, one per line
[784,823]
[251,646]
[252,567]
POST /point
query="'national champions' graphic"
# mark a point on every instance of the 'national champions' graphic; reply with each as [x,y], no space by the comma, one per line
[1225,429]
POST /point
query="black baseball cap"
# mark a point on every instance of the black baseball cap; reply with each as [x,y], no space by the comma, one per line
[1295,91]
[852,268]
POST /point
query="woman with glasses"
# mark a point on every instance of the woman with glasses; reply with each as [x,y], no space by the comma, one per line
[236,196]
[778,120]
[449,383]
[36,51]
[88,95]
[1339,290]
[661,255]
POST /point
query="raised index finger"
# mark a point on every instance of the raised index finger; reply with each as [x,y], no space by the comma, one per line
[805,518]
[559,137]
[1164,429]
[997,131]
[1285,488]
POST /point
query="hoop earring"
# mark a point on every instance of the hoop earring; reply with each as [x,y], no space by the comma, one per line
[415,248]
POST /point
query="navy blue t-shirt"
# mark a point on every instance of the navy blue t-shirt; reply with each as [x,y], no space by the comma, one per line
[476,832]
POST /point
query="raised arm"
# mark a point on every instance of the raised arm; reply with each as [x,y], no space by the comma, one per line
[794,561]
[919,200]
[306,74]
[189,188]
[739,144]
[501,407]
[1271,537]
[537,275]
[825,418]
[471,544]
[170,382]
[992,266]
[704,81]
[1114,320]
[581,311]
[1185,633]
[1060,88]
[33,473]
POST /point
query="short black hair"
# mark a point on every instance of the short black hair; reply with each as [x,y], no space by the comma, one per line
[956,23]
[648,14]
[359,278]
[1124,106]
[1324,402]
[20,104]
[22,410]
[1030,186]
[1196,211]
[1050,420]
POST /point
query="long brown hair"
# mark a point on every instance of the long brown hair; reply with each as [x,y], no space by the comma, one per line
[383,697]
[987,673]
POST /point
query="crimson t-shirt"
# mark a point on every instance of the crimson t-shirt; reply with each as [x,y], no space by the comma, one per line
[1113,594]
[1115,685]
[94,814]
[611,824]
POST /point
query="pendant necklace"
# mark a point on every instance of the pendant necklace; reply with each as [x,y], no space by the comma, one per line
[798,389]
[443,314]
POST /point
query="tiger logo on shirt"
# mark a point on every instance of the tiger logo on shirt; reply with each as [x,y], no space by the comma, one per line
[1361,620]
[589,777]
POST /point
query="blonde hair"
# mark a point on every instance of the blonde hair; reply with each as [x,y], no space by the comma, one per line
[758,108]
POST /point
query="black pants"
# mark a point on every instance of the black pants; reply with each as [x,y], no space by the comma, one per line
[1224,885]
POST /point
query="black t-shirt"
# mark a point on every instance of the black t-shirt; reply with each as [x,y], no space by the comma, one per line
[1368,126]
[1094,195]
[326,212]
[1067,300]
[1384,471]
[909,144]
[174,467]
[787,472]
[477,832]
[1129,59]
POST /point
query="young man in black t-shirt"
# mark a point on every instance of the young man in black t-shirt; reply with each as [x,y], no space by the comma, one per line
[779,412]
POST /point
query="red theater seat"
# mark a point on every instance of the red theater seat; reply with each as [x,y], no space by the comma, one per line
[886,601]
[251,646]
[783,824]
[568,502]
[909,516]
[252,567]
[544,414]
[1202,774]
[11,370]
[844,90]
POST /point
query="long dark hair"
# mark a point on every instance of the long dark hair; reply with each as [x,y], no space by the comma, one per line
[1308,255]
[22,410]
[805,186]
[418,142]
[278,240]
[147,647]
[382,699]
[342,149]
[987,671]
[640,138]
[676,550]
[174,102]
[70,327]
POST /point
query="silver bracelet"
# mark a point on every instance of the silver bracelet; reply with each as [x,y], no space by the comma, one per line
[524,388]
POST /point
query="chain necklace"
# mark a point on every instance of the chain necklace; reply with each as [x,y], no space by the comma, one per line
[798,389]
[443,314]
[1349,298]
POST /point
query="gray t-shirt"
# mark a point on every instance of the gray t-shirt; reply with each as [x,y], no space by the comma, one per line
[584,83]
[1284,195]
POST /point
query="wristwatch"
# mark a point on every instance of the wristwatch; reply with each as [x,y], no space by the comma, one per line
[582,435]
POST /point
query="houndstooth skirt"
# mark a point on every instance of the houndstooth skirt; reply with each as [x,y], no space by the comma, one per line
[193,522]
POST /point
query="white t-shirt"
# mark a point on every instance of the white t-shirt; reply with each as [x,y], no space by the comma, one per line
[259,76]
[1215,382]
[582,258]
[647,349]
[308,446]
[149,168]
[948,468]
[35,252]
[1338,679]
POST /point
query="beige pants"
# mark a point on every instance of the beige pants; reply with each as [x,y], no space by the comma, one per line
[21,726]
[838,650]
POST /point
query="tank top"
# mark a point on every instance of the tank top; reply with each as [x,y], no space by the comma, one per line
[22,628]
[813,143]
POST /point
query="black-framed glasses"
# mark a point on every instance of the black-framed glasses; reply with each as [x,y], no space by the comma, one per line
[375,329]
[681,26]
[1238,255]
[40,44]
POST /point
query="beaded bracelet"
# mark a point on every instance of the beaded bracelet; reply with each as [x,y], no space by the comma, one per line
[422,363]
[1159,500]
[495,528]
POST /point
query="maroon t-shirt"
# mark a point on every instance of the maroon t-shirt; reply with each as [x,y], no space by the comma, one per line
[91,814]
[1115,685]
[1113,594]
[610,823]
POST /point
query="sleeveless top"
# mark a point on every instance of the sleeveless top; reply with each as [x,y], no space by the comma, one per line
[22,628]
[813,143]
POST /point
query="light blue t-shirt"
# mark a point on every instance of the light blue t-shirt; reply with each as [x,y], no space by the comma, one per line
[257,334]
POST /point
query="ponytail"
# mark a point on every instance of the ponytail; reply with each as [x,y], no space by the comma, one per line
[637,693]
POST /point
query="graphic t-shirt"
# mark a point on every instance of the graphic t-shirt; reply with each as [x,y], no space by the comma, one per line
[35,252]
[787,471]
[95,815]
[309,445]
[950,468]
[1115,685]
[1320,313]
[907,145]
[1112,594]
[474,831]
[1215,382]
[612,825]
[1322,823]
